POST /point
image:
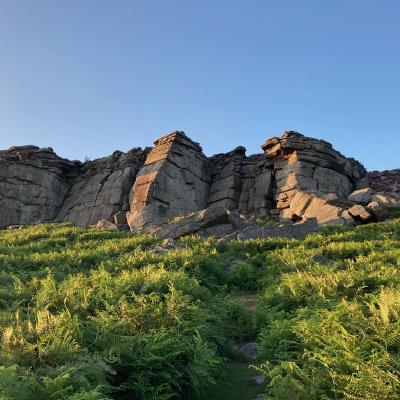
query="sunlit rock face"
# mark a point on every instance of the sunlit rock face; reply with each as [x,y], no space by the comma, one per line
[174,181]
[311,178]
[295,178]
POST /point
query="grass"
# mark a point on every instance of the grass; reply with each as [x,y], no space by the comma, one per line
[94,314]
[237,383]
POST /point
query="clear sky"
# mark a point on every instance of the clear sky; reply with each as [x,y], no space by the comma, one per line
[87,77]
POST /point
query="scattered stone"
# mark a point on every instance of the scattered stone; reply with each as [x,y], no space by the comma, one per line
[379,210]
[321,259]
[360,213]
[169,243]
[249,349]
[13,227]
[193,223]
[325,207]
[120,218]
[159,250]
[362,196]
[287,230]
[104,224]
[232,265]
[383,200]
[259,379]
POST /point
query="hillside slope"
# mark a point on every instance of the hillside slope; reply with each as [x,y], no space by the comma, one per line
[95,314]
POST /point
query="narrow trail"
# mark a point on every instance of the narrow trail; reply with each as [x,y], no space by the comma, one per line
[240,381]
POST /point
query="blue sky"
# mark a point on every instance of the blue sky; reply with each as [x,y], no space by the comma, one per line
[88,77]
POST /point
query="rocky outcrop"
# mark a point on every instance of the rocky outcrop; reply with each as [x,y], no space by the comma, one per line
[101,190]
[311,172]
[33,184]
[174,181]
[243,183]
[174,189]
[385,186]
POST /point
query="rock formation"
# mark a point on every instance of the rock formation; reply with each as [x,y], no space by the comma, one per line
[101,189]
[168,187]
[33,184]
[173,181]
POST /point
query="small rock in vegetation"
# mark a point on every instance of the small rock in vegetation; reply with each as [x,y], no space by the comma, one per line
[159,250]
[259,379]
[104,224]
[321,259]
[249,349]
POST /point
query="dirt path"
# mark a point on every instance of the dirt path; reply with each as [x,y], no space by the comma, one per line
[239,381]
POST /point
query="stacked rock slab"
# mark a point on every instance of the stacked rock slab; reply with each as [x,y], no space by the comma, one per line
[311,178]
[33,184]
[173,182]
[242,183]
[386,183]
[101,191]
[226,179]
[258,185]
[296,177]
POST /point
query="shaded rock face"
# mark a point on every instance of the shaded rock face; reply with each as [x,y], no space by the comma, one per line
[240,182]
[386,183]
[33,184]
[102,188]
[296,178]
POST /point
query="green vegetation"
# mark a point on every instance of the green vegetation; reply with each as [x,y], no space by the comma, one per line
[94,314]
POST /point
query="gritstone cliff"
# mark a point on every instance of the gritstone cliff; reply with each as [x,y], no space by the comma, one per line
[295,178]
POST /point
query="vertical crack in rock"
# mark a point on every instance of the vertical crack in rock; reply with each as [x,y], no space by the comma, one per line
[312,179]
[102,188]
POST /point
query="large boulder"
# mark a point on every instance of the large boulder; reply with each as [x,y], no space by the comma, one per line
[362,196]
[193,223]
[360,213]
[288,230]
[327,208]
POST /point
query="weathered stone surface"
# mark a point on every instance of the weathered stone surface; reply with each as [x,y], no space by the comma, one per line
[249,349]
[305,164]
[327,208]
[33,184]
[243,183]
[120,218]
[105,224]
[192,223]
[363,196]
[286,230]
[360,213]
[379,210]
[102,188]
[296,179]
[174,181]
